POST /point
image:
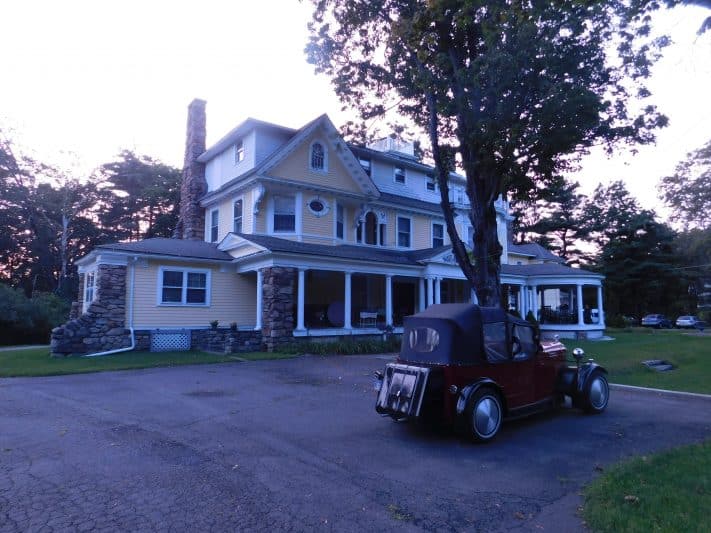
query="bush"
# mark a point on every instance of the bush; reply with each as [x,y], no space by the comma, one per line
[29,320]
[345,347]
[615,321]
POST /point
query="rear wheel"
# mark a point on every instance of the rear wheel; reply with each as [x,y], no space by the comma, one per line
[483,415]
[597,393]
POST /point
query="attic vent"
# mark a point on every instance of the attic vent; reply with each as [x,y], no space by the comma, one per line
[170,340]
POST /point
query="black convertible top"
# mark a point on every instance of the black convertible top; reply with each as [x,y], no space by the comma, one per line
[449,333]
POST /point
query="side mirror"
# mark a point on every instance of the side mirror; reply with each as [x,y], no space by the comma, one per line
[578,353]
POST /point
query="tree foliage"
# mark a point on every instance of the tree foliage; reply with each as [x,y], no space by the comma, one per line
[48,219]
[507,89]
[688,191]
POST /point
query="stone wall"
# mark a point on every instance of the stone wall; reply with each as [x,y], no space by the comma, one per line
[225,340]
[278,306]
[102,327]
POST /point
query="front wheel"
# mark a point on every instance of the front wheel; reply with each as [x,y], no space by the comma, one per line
[597,393]
[484,415]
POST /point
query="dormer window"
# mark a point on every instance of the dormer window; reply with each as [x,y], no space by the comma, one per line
[318,157]
[239,151]
[365,164]
[430,182]
[399,175]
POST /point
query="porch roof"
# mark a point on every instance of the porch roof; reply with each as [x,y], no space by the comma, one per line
[171,248]
[546,269]
[341,251]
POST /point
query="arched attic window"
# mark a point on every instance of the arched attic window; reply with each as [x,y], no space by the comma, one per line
[318,159]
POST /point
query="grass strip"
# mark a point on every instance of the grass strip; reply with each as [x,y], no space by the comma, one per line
[37,362]
[666,492]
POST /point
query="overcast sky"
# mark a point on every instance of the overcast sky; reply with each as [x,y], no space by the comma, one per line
[83,79]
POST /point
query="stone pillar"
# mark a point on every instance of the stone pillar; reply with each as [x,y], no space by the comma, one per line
[438,290]
[260,289]
[277,306]
[347,301]
[102,327]
[388,300]
[430,292]
[581,316]
[191,222]
[600,312]
[421,294]
[301,301]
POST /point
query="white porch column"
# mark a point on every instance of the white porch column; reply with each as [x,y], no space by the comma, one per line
[422,294]
[437,290]
[430,292]
[260,283]
[600,313]
[521,301]
[534,301]
[581,316]
[388,300]
[300,301]
[347,301]
[473,297]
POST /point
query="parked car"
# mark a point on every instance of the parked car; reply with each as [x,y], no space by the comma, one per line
[471,367]
[686,321]
[656,321]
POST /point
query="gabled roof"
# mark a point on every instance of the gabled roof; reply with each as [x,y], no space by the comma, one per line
[180,248]
[341,149]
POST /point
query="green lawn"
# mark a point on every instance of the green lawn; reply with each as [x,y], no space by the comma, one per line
[689,352]
[37,362]
[666,492]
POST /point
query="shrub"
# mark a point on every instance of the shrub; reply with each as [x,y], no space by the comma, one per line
[615,321]
[345,347]
[29,320]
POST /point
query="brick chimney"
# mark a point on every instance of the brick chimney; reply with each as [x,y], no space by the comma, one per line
[191,223]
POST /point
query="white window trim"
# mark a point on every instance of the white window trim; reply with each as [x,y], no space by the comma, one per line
[397,231]
[404,173]
[298,212]
[86,303]
[234,201]
[318,214]
[432,225]
[210,226]
[183,303]
[325,156]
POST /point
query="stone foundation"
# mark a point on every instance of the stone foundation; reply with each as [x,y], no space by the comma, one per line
[279,306]
[226,340]
[102,327]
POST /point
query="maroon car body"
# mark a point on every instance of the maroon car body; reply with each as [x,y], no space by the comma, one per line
[471,367]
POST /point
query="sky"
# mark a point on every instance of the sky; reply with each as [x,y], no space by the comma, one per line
[82,80]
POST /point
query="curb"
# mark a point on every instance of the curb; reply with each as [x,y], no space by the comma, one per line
[665,392]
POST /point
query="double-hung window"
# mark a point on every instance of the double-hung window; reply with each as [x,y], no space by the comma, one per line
[89,288]
[284,214]
[403,232]
[214,225]
[399,175]
[430,182]
[183,287]
[239,151]
[365,164]
[237,216]
[339,221]
[437,235]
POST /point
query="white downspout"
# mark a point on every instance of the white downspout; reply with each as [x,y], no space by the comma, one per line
[131,268]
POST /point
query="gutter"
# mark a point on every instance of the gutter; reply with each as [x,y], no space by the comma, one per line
[132,269]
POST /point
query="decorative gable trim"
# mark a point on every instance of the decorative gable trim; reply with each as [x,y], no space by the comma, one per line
[333,140]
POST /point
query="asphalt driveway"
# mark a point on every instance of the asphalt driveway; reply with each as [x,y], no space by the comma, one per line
[295,445]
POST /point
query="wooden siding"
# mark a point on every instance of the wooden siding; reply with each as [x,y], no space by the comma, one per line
[296,167]
[313,225]
[233,299]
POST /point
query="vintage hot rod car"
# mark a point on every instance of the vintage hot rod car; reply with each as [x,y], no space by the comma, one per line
[471,367]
